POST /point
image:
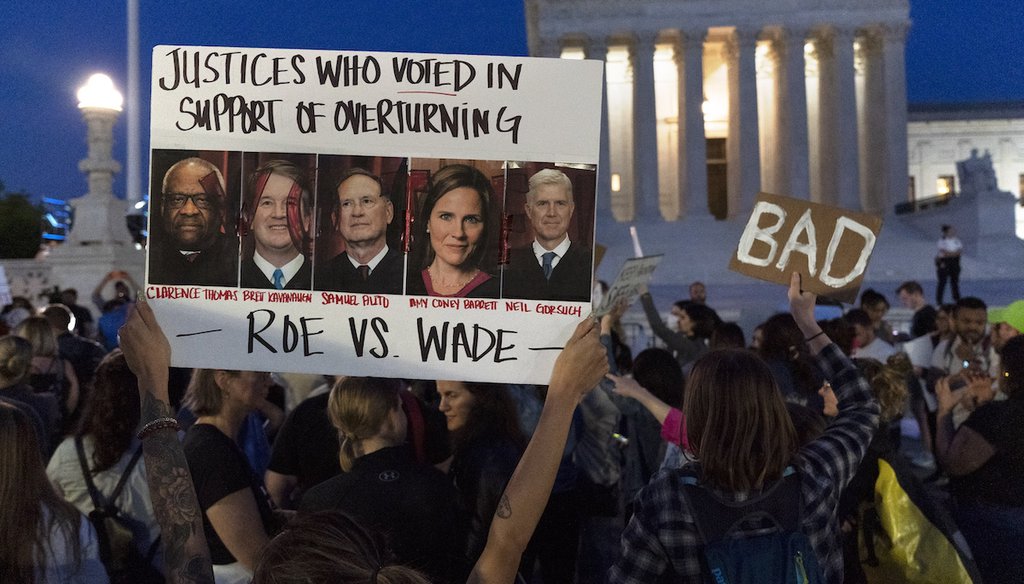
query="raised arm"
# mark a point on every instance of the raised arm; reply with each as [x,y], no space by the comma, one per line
[579,368]
[838,452]
[628,387]
[685,348]
[97,292]
[186,555]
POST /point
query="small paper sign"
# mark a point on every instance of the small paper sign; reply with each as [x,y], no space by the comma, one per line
[632,279]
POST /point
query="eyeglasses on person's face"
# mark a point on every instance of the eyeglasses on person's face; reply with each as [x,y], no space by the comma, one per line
[178,200]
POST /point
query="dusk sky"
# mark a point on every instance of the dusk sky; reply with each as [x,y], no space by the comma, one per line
[958,51]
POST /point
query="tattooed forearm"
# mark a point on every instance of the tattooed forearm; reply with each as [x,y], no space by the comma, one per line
[186,555]
[504,507]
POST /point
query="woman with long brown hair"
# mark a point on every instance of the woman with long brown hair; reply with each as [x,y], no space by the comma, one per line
[44,538]
[745,449]
[486,444]
[452,236]
[108,443]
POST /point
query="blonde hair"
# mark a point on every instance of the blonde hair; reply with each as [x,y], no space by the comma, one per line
[204,396]
[888,383]
[15,359]
[358,408]
[38,332]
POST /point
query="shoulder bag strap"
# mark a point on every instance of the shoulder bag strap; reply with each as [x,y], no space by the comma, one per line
[94,493]
[125,475]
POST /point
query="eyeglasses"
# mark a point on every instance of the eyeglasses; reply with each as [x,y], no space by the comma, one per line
[366,202]
[178,200]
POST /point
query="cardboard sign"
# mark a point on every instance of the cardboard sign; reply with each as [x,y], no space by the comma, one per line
[632,280]
[828,245]
[274,170]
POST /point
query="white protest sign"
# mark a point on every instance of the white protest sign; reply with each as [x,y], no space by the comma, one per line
[920,351]
[830,246]
[633,278]
[365,213]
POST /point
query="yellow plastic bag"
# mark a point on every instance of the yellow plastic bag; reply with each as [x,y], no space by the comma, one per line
[909,548]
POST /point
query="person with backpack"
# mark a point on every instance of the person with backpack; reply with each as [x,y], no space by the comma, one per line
[49,372]
[752,503]
[99,470]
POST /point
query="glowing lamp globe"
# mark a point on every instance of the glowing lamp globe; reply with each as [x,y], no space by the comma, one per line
[99,93]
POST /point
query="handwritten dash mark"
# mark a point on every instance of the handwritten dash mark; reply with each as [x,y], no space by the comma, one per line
[198,333]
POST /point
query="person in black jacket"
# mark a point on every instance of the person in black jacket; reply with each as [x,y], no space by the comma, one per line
[552,267]
[383,485]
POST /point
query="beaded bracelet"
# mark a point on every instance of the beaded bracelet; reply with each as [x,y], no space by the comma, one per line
[812,337]
[157,425]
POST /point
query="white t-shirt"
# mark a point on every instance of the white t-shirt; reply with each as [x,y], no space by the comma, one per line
[65,473]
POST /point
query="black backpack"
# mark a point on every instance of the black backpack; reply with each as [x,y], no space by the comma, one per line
[118,552]
[780,552]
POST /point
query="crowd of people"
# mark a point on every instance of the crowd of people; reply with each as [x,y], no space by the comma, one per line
[238,476]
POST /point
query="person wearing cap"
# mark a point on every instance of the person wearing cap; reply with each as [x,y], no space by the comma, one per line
[190,245]
[1006,323]
[278,212]
[360,212]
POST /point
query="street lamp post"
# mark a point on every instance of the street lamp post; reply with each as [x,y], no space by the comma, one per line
[99,241]
[99,216]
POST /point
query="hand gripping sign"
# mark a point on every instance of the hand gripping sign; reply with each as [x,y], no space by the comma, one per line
[829,245]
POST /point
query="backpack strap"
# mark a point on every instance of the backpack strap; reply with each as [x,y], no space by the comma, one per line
[98,500]
[717,519]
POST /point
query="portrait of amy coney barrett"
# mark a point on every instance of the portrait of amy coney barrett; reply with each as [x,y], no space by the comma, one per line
[192,235]
[455,235]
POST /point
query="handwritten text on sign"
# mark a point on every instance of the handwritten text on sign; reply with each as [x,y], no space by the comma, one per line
[363,334]
[394,104]
[828,245]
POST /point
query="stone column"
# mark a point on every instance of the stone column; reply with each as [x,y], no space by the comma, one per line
[848,161]
[894,36]
[598,49]
[792,102]
[839,160]
[693,158]
[645,132]
[872,143]
[743,156]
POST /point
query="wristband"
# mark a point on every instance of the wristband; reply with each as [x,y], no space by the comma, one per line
[157,425]
[812,337]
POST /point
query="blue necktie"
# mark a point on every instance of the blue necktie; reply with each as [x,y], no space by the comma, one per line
[547,258]
[278,279]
